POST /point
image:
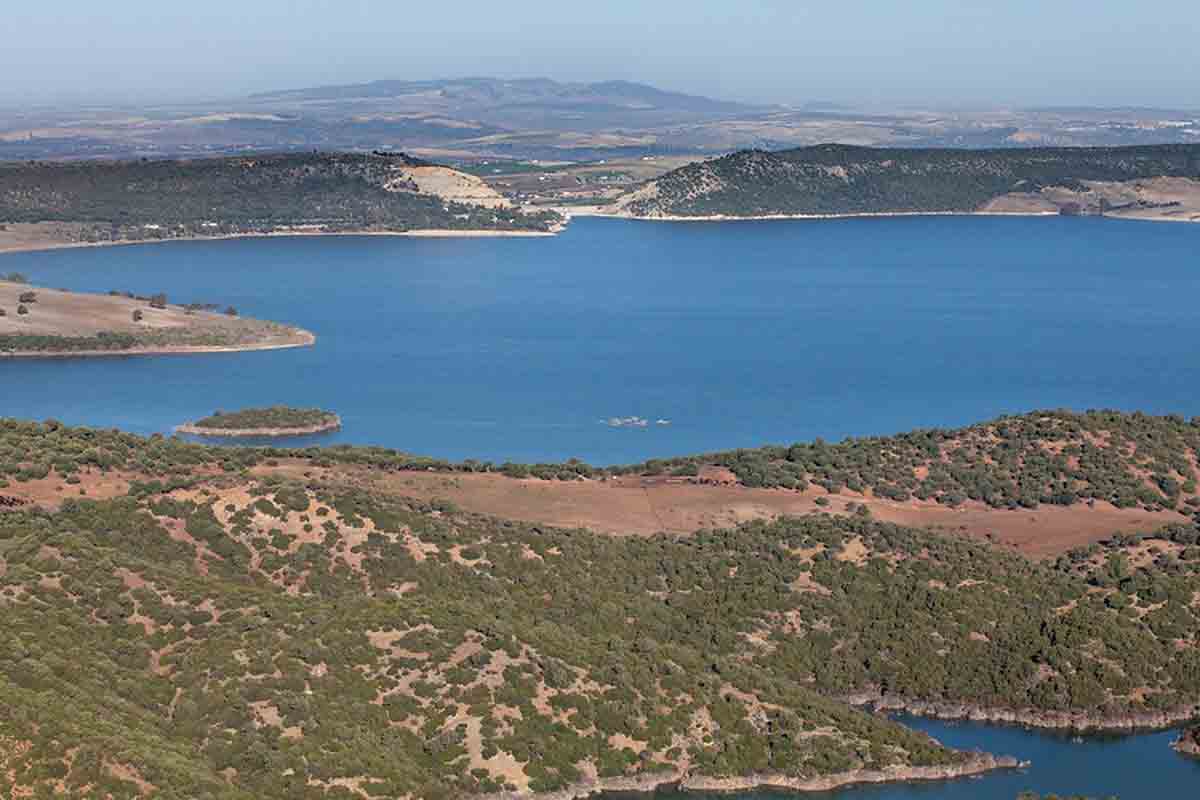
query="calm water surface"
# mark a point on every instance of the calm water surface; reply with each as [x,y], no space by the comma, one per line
[738,333]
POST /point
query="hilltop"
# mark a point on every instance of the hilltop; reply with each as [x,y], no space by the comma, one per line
[1160,181]
[148,200]
[183,621]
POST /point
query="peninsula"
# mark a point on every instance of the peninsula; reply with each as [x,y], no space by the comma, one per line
[272,421]
[299,623]
[38,322]
[50,204]
[1140,182]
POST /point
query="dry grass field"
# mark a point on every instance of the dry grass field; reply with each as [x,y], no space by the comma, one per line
[173,328]
[645,506]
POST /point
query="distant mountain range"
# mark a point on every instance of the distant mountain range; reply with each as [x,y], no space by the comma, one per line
[495,92]
[465,119]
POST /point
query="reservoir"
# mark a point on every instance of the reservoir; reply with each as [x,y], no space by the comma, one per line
[736,334]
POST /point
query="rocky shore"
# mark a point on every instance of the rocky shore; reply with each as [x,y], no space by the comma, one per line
[1081,721]
[975,764]
[1188,742]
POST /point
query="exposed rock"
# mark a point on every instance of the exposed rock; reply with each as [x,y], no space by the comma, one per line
[1188,742]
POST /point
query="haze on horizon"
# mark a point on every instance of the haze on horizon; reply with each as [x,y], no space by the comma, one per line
[944,53]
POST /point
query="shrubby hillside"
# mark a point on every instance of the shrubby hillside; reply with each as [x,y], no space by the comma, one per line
[215,634]
[843,179]
[276,641]
[1054,457]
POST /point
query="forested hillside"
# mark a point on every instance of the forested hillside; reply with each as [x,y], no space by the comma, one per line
[842,179]
[157,199]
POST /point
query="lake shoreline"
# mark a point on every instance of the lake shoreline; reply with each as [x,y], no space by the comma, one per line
[303,339]
[40,245]
[34,245]
[591,211]
[1072,721]
[975,764]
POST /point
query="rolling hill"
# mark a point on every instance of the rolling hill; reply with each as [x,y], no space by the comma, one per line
[1158,180]
[312,192]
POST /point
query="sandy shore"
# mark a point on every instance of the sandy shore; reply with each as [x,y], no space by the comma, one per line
[10,243]
[17,244]
[332,424]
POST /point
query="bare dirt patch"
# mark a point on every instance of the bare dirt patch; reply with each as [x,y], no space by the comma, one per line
[1152,198]
[853,552]
[50,491]
[450,185]
[632,506]
[130,774]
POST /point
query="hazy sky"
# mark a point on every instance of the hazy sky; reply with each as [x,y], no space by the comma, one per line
[948,52]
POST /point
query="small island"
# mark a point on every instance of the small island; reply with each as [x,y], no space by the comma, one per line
[272,421]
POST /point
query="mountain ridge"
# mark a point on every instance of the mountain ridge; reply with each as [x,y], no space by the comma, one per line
[500,92]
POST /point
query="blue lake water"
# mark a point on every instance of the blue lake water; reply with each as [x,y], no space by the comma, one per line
[738,333]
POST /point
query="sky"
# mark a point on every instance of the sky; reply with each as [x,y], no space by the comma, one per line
[943,53]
